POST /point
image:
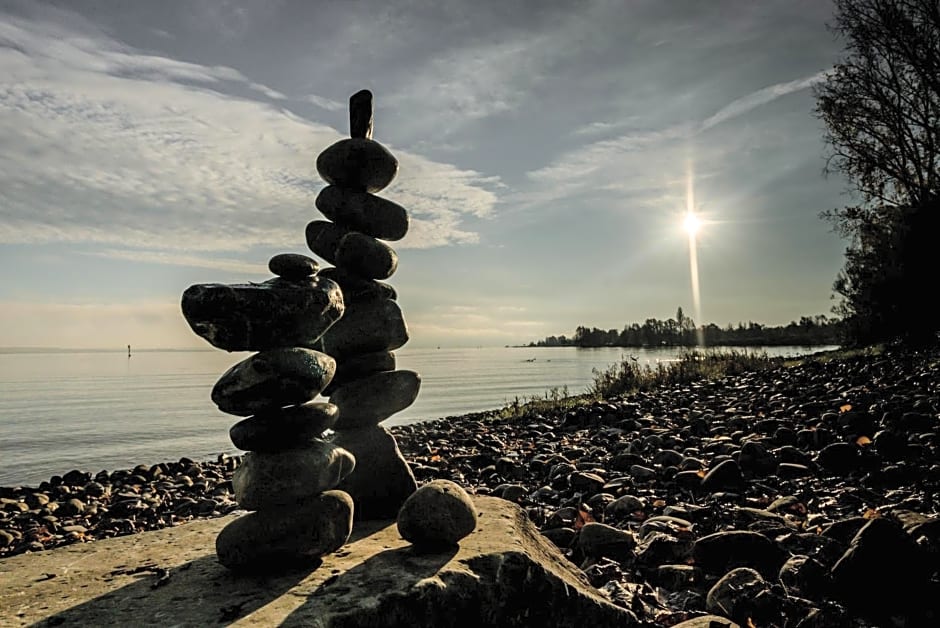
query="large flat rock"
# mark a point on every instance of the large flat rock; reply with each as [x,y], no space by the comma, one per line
[504,574]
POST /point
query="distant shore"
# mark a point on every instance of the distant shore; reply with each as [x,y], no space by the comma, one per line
[824,446]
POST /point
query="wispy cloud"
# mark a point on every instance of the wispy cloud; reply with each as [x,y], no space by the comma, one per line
[324,103]
[102,143]
[177,259]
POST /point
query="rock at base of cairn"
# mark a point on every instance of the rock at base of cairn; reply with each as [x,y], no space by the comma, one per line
[293,535]
[268,480]
[370,400]
[383,480]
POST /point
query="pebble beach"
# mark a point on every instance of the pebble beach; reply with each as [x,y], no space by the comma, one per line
[799,495]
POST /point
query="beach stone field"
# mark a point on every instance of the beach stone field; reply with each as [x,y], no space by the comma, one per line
[801,496]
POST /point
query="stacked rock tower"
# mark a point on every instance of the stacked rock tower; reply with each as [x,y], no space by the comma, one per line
[289,472]
[366,388]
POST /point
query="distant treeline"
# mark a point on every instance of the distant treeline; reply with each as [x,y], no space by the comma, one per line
[681,331]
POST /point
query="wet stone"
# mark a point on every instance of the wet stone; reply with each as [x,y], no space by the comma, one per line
[366,402]
[737,595]
[440,513]
[720,551]
[255,317]
[355,252]
[286,536]
[367,213]
[357,164]
[293,266]
[726,476]
[601,540]
[272,379]
[284,428]
[359,366]
[266,480]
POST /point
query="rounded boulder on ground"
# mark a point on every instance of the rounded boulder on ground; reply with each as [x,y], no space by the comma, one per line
[438,513]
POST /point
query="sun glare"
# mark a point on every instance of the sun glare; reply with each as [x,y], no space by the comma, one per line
[691,223]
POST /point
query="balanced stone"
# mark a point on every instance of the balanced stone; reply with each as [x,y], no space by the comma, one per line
[357,252]
[254,317]
[367,401]
[284,428]
[438,513]
[382,483]
[267,480]
[287,536]
[358,366]
[356,289]
[358,164]
[360,211]
[273,379]
[366,328]
[293,266]
[360,114]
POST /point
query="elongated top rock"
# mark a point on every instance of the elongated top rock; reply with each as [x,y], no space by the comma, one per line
[360,114]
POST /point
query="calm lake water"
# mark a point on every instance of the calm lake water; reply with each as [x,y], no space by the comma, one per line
[94,411]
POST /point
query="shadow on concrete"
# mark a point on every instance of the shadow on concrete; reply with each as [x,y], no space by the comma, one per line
[351,598]
[199,592]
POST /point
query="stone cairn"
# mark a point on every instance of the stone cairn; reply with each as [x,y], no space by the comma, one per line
[301,487]
[366,388]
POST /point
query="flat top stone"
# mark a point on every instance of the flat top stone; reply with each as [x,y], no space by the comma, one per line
[374,576]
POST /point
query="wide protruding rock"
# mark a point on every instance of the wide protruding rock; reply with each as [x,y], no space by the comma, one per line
[372,399]
[254,317]
[358,164]
[280,537]
[504,574]
[356,252]
[440,513]
[284,428]
[359,211]
[273,379]
[366,328]
[382,483]
[268,480]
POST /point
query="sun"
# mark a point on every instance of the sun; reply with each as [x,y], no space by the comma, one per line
[691,223]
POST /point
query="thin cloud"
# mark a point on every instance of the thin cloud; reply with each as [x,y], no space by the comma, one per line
[761,97]
[324,103]
[176,259]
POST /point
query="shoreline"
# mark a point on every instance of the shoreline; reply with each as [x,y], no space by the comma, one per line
[794,453]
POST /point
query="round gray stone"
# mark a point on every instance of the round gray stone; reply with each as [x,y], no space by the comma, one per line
[370,400]
[267,480]
[273,379]
[438,513]
[357,164]
[285,536]
[370,214]
[284,428]
[255,317]
[356,252]
[293,266]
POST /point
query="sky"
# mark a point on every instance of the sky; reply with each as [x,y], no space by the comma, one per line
[545,149]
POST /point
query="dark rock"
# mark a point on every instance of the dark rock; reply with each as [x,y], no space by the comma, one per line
[440,513]
[755,458]
[295,534]
[707,621]
[357,289]
[561,537]
[355,252]
[844,530]
[726,476]
[360,114]
[284,428]
[293,266]
[803,576]
[658,548]
[357,164]
[583,482]
[721,551]
[366,328]
[254,317]
[890,445]
[357,366]
[624,506]
[839,458]
[76,478]
[272,379]
[791,470]
[366,402]
[736,595]
[384,481]
[601,540]
[359,211]
[265,480]
[678,577]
